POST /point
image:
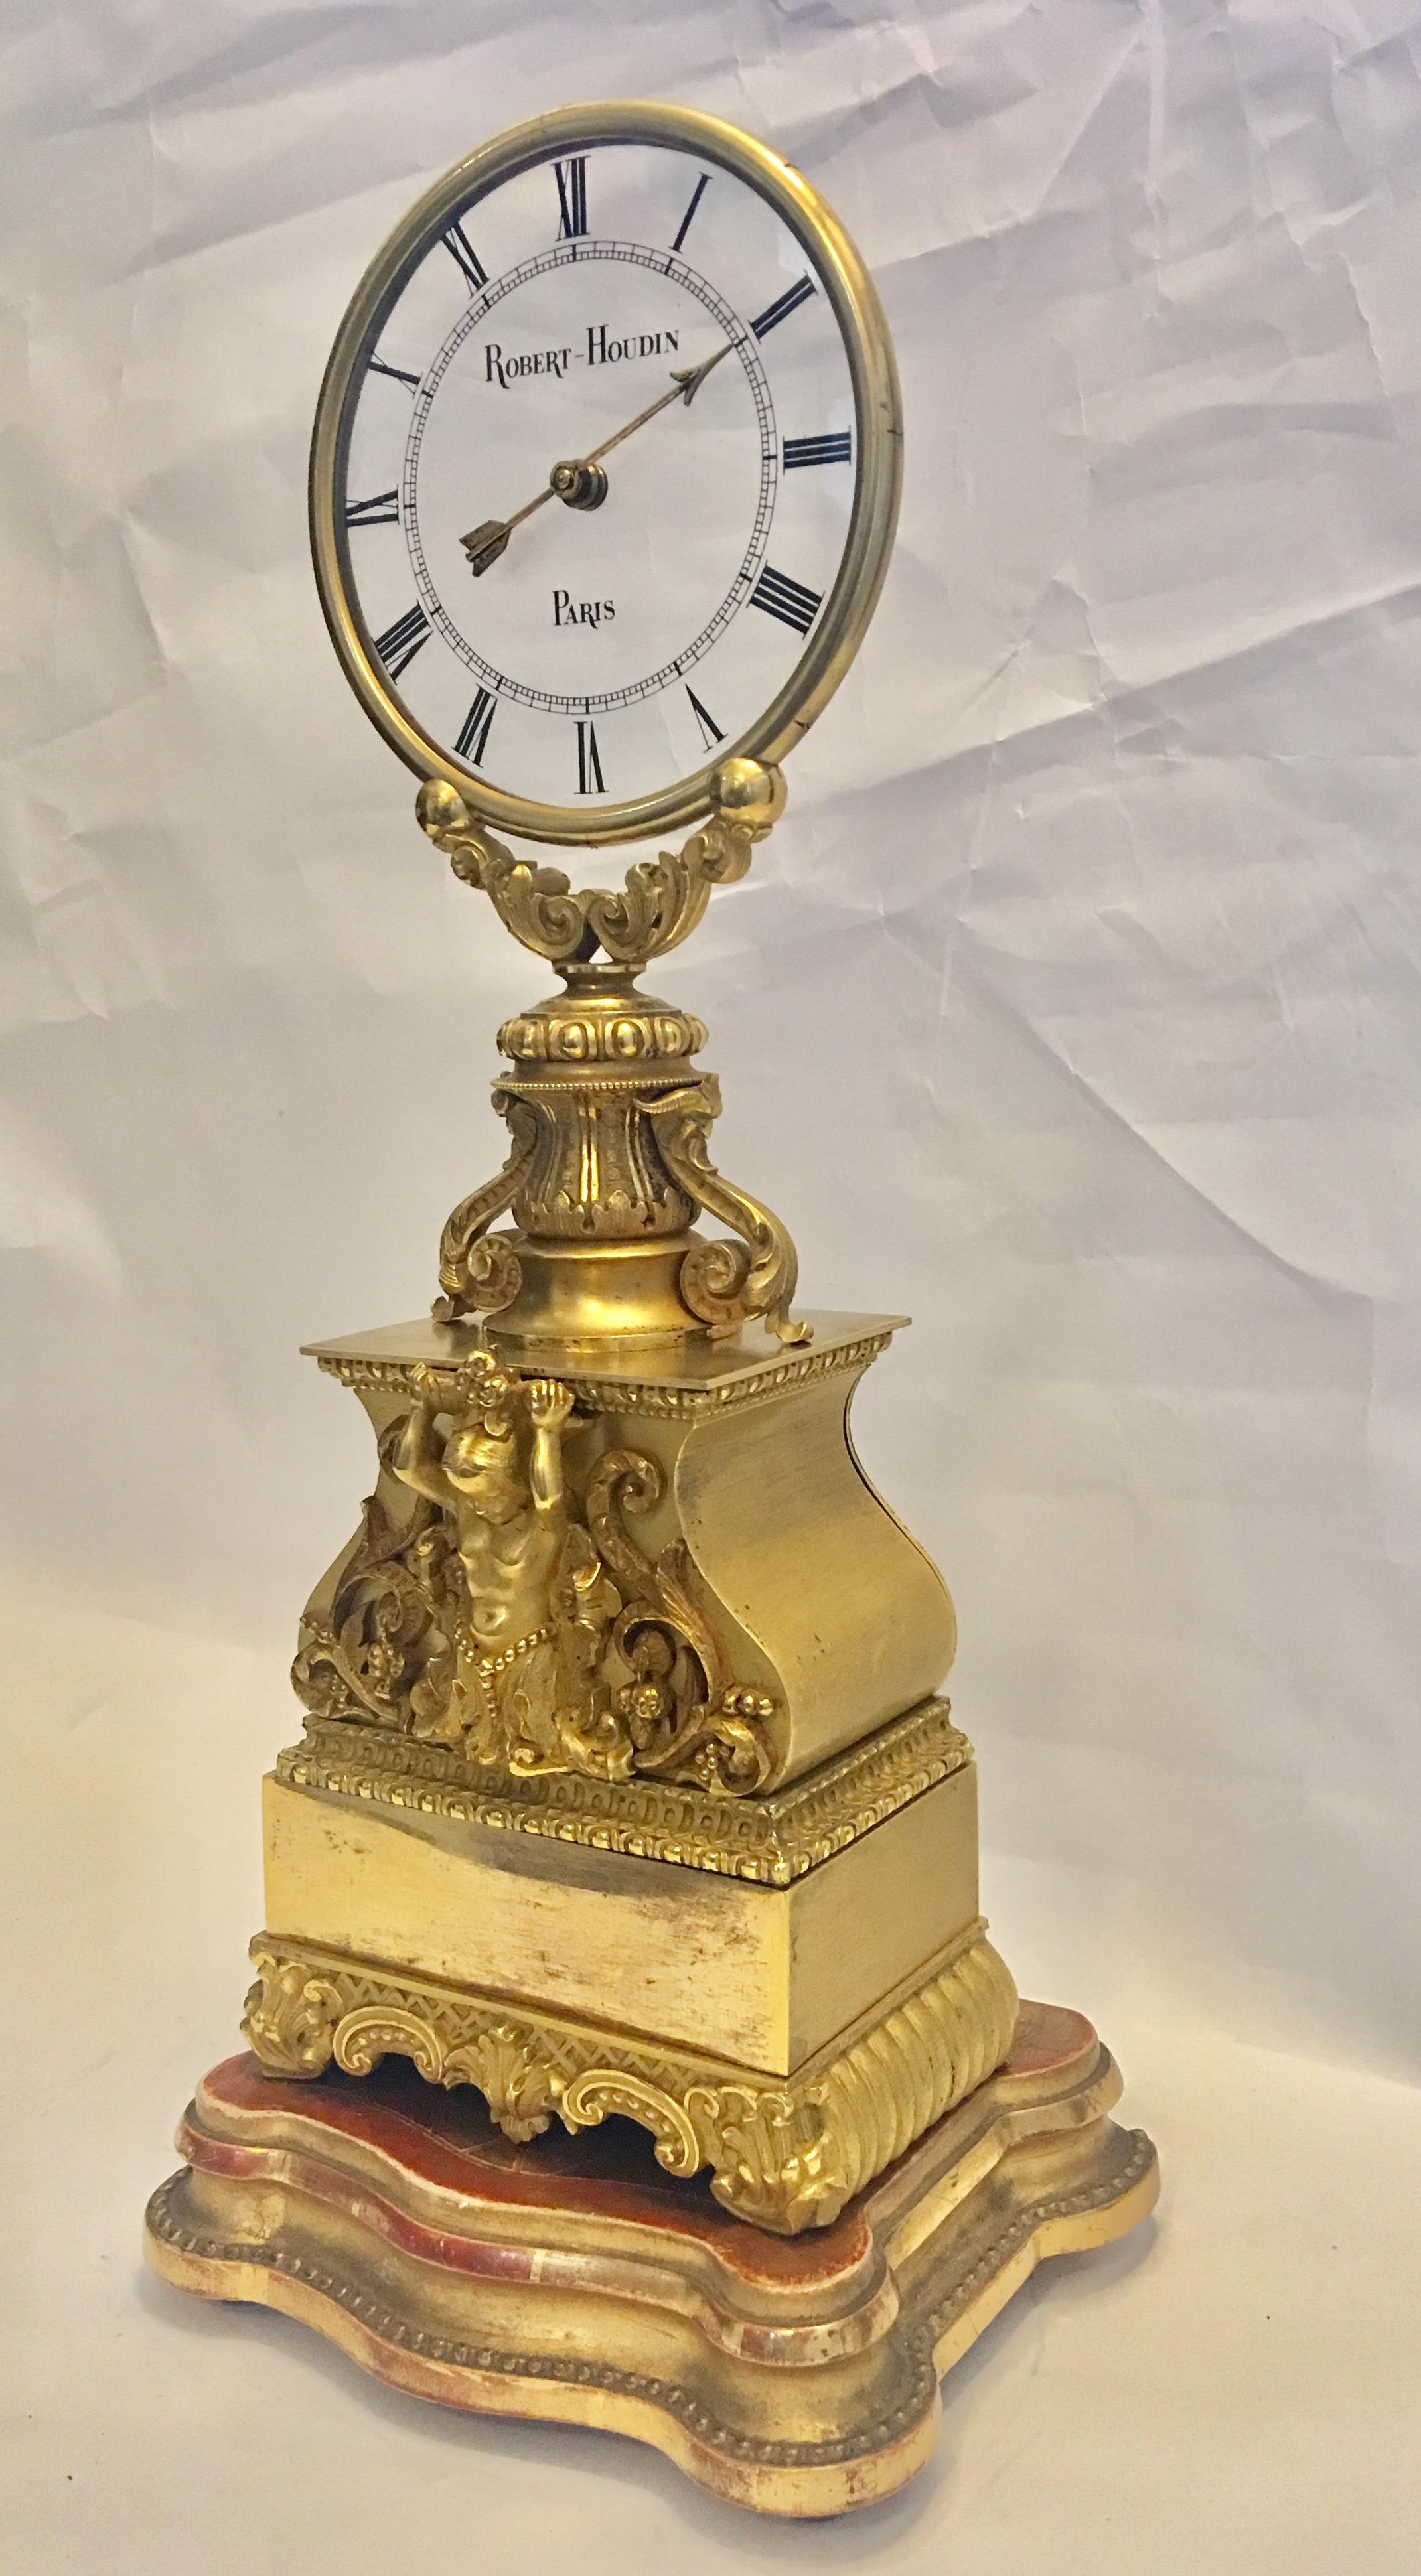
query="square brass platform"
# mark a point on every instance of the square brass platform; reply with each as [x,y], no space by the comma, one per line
[760,1976]
[568,2280]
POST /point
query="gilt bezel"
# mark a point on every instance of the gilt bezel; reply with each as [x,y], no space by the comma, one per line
[840,628]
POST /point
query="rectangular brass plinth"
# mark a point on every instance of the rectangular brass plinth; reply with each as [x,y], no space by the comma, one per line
[759,1975]
[571,2280]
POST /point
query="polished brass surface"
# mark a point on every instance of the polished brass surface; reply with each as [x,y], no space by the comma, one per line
[840,627]
[771,1840]
[675,1572]
[795,2379]
[755,1973]
[784,2155]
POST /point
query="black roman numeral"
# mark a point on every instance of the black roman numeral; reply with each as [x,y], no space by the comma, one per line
[696,195]
[590,781]
[471,269]
[572,198]
[710,731]
[789,302]
[383,510]
[399,644]
[471,740]
[790,601]
[835,448]
[382,367]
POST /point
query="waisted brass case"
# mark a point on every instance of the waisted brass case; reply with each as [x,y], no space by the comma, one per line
[821,1602]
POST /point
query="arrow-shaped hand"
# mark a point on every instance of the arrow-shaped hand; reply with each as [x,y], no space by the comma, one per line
[579,481]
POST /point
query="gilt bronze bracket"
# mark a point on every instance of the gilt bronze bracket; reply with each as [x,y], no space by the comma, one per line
[610,1166]
[661,899]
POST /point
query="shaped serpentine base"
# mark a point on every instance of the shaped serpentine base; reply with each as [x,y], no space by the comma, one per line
[570,2281]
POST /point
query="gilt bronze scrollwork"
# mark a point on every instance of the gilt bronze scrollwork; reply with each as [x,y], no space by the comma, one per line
[512,1616]
[661,900]
[609,1118]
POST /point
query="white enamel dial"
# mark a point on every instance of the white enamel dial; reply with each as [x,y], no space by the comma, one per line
[595,477]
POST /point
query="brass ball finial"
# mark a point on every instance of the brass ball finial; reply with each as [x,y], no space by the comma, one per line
[746,792]
[440,808]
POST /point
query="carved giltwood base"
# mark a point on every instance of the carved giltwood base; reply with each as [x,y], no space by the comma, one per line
[784,2154]
[568,2282]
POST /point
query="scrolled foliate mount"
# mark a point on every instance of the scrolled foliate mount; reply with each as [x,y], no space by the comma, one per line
[662,899]
[609,1118]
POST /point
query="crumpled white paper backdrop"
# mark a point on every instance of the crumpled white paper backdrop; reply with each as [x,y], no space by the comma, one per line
[1075,1006]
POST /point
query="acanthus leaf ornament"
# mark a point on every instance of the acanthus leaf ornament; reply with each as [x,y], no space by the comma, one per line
[661,900]
[784,2154]
[505,2067]
[380,1653]
[610,1123]
[777,2168]
[478,1272]
[535,903]
[726,1284]
[290,2014]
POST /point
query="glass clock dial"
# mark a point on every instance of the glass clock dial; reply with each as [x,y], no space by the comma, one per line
[605,470]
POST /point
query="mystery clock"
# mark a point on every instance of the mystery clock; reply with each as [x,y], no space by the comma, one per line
[605,471]
[622,1914]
